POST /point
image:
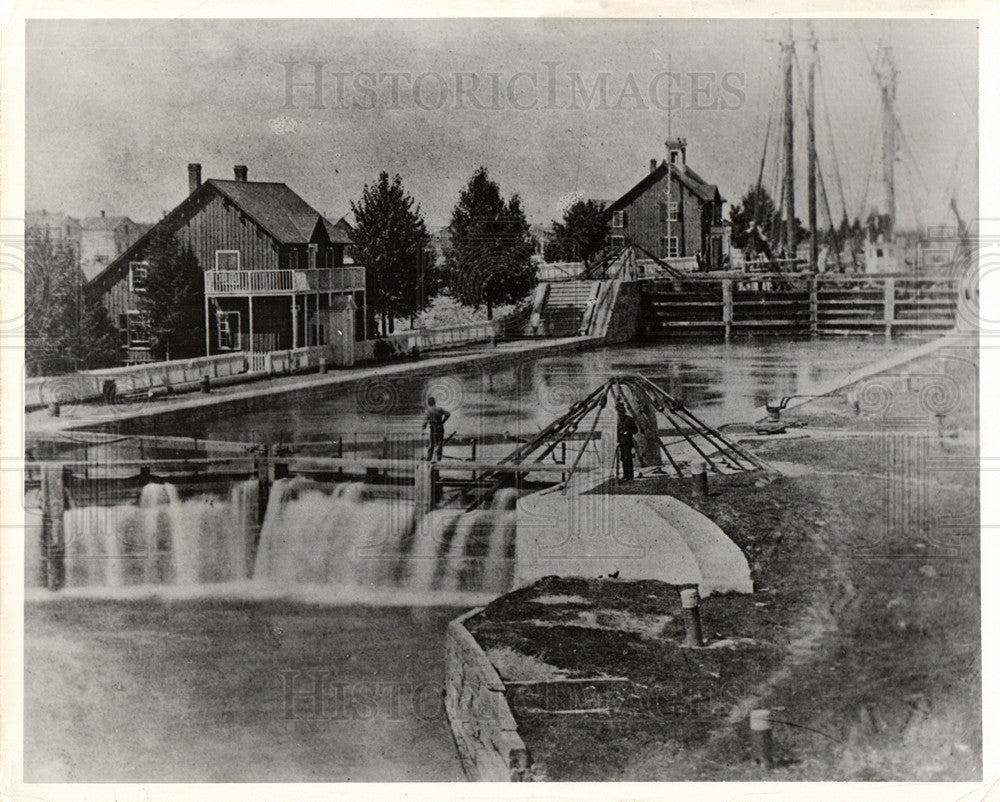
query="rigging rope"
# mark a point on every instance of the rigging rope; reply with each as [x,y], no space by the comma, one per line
[829,131]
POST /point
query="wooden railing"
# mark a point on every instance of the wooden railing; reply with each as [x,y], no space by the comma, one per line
[264,282]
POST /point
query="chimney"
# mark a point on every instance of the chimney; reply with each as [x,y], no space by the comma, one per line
[240,172]
[194,177]
[652,165]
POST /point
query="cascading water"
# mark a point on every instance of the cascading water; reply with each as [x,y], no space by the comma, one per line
[312,533]
[163,539]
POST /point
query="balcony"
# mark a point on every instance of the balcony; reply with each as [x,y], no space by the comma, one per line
[281,282]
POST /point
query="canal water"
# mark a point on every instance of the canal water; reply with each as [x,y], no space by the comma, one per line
[722,382]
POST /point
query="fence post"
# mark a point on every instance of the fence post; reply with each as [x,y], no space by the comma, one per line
[727,306]
[889,299]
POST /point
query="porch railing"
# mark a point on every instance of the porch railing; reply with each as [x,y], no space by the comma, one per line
[265,282]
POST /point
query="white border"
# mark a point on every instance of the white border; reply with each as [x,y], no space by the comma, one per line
[11,379]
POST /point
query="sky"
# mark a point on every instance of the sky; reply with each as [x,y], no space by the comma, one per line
[555,109]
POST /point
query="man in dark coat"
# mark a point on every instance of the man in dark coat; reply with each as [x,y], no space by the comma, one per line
[435,418]
[627,429]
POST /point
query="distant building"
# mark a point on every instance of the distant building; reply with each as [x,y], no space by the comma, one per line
[59,227]
[104,238]
[673,213]
[274,267]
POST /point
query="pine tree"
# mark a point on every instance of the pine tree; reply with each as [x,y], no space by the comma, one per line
[390,239]
[173,299]
[489,254]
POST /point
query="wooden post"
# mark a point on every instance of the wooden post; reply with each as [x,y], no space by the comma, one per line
[295,324]
[250,320]
[424,481]
[700,475]
[813,306]
[261,467]
[889,304]
[760,733]
[727,306]
[208,337]
[692,618]
[53,543]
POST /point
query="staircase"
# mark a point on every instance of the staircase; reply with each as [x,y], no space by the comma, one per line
[560,307]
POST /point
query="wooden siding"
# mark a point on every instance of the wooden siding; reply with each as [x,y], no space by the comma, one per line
[644,226]
[220,226]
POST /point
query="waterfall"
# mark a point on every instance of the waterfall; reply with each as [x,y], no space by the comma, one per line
[313,533]
[162,539]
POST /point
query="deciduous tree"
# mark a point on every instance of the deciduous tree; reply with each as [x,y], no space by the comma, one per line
[489,253]
[390,239]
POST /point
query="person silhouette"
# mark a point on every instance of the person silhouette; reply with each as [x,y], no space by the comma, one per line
[627,429]
[435,418]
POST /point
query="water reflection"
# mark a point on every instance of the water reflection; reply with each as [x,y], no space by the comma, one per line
[721,382]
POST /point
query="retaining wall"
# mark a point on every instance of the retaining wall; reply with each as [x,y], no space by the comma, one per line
[476,704]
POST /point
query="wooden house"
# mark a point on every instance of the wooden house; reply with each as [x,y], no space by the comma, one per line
[274,267]
[673,213]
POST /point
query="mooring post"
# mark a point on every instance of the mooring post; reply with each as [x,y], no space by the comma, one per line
[701,478]
[53,543]
[692,618]
[760,734]
[727,306]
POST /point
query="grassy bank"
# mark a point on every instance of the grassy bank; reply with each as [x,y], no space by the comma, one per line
[863,634]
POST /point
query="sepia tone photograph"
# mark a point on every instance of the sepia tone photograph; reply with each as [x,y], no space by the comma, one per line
[504,400]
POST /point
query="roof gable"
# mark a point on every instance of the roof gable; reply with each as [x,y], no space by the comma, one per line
[687,177]
[275,208]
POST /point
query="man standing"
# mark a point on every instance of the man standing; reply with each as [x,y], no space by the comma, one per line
[435,418]
[627,429]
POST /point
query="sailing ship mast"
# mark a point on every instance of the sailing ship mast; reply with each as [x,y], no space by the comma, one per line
[788,143]
[887,73]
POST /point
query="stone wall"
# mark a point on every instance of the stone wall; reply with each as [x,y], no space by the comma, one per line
[476,704]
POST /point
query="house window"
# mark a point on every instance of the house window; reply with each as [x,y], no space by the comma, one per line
[617,242]
[668,211]
[227,325]
[136,329]
[227,260]
[137,273]
[618,220]
[669,248]
[313,253]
